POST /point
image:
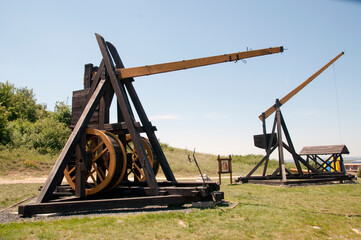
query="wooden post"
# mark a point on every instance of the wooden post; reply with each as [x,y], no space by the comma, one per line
[128,117]
[280,143]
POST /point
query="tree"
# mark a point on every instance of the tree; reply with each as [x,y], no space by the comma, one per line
[23,122]
[19,102]
[62,113]
[4,136]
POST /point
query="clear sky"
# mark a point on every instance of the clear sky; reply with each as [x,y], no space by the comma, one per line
[45,44]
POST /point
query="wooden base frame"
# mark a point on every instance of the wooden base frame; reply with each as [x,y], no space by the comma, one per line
[282,175]
[127,196]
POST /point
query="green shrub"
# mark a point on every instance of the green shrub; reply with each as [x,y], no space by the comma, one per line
[24,123]
[359,173]
[19,132]
[62,113]
[48,135]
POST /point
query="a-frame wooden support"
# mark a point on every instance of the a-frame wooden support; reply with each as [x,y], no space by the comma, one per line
[104,80]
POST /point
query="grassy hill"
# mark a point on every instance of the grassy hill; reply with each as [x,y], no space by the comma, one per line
[31,163]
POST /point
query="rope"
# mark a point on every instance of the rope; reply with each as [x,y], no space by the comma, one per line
[16,204]
[337,104]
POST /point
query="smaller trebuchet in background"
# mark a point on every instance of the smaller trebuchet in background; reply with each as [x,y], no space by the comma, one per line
[305,172]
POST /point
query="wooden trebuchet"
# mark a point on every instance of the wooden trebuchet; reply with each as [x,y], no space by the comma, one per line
[111,165]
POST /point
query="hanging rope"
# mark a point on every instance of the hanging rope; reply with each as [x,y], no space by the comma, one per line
[337,104]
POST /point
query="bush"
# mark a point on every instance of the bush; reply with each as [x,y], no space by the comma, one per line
[24,123]
[19,132]
[48,135]
[62,113]
[359,173]
[4,135]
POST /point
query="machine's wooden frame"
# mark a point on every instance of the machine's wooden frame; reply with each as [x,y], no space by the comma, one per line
[93,104]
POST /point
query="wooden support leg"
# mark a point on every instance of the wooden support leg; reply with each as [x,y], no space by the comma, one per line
[81,169]
[57,172]
[280,143]
[129,120]
[143,118]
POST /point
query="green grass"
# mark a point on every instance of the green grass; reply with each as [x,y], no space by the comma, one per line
[25,161]
[13,193]
[263,212]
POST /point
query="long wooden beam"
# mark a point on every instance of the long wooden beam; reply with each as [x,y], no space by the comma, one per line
[269,111]
[192,63]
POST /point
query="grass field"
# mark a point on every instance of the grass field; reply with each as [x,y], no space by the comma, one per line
[262,212]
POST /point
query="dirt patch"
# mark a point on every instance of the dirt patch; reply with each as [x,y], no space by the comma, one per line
[26,179]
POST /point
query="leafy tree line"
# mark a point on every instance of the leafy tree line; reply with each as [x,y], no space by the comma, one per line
[24,122]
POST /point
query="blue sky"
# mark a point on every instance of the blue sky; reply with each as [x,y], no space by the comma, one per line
[45,44]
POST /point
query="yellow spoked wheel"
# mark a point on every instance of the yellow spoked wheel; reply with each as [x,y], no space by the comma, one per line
[134,168]
[107,165]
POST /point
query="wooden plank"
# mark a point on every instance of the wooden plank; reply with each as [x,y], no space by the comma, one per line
[144,118]
[56,173]
[88,72]
[280,142]
[186,64]
[129,119]
[102,204]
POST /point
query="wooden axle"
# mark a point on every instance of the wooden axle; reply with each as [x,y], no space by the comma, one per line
[198,62]
[269,111]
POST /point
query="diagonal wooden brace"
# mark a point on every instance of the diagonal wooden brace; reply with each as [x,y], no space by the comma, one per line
[128,117]
[57,172]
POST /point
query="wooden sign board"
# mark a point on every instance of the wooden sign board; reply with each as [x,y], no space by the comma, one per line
[224,166]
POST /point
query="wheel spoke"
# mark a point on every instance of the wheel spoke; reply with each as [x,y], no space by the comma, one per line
[98,146]
[101,174]
[101,154]
[72,170]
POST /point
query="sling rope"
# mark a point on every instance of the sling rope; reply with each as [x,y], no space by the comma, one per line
[337,104]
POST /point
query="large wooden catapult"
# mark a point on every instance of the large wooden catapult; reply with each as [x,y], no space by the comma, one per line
[111,166]
[312,170]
